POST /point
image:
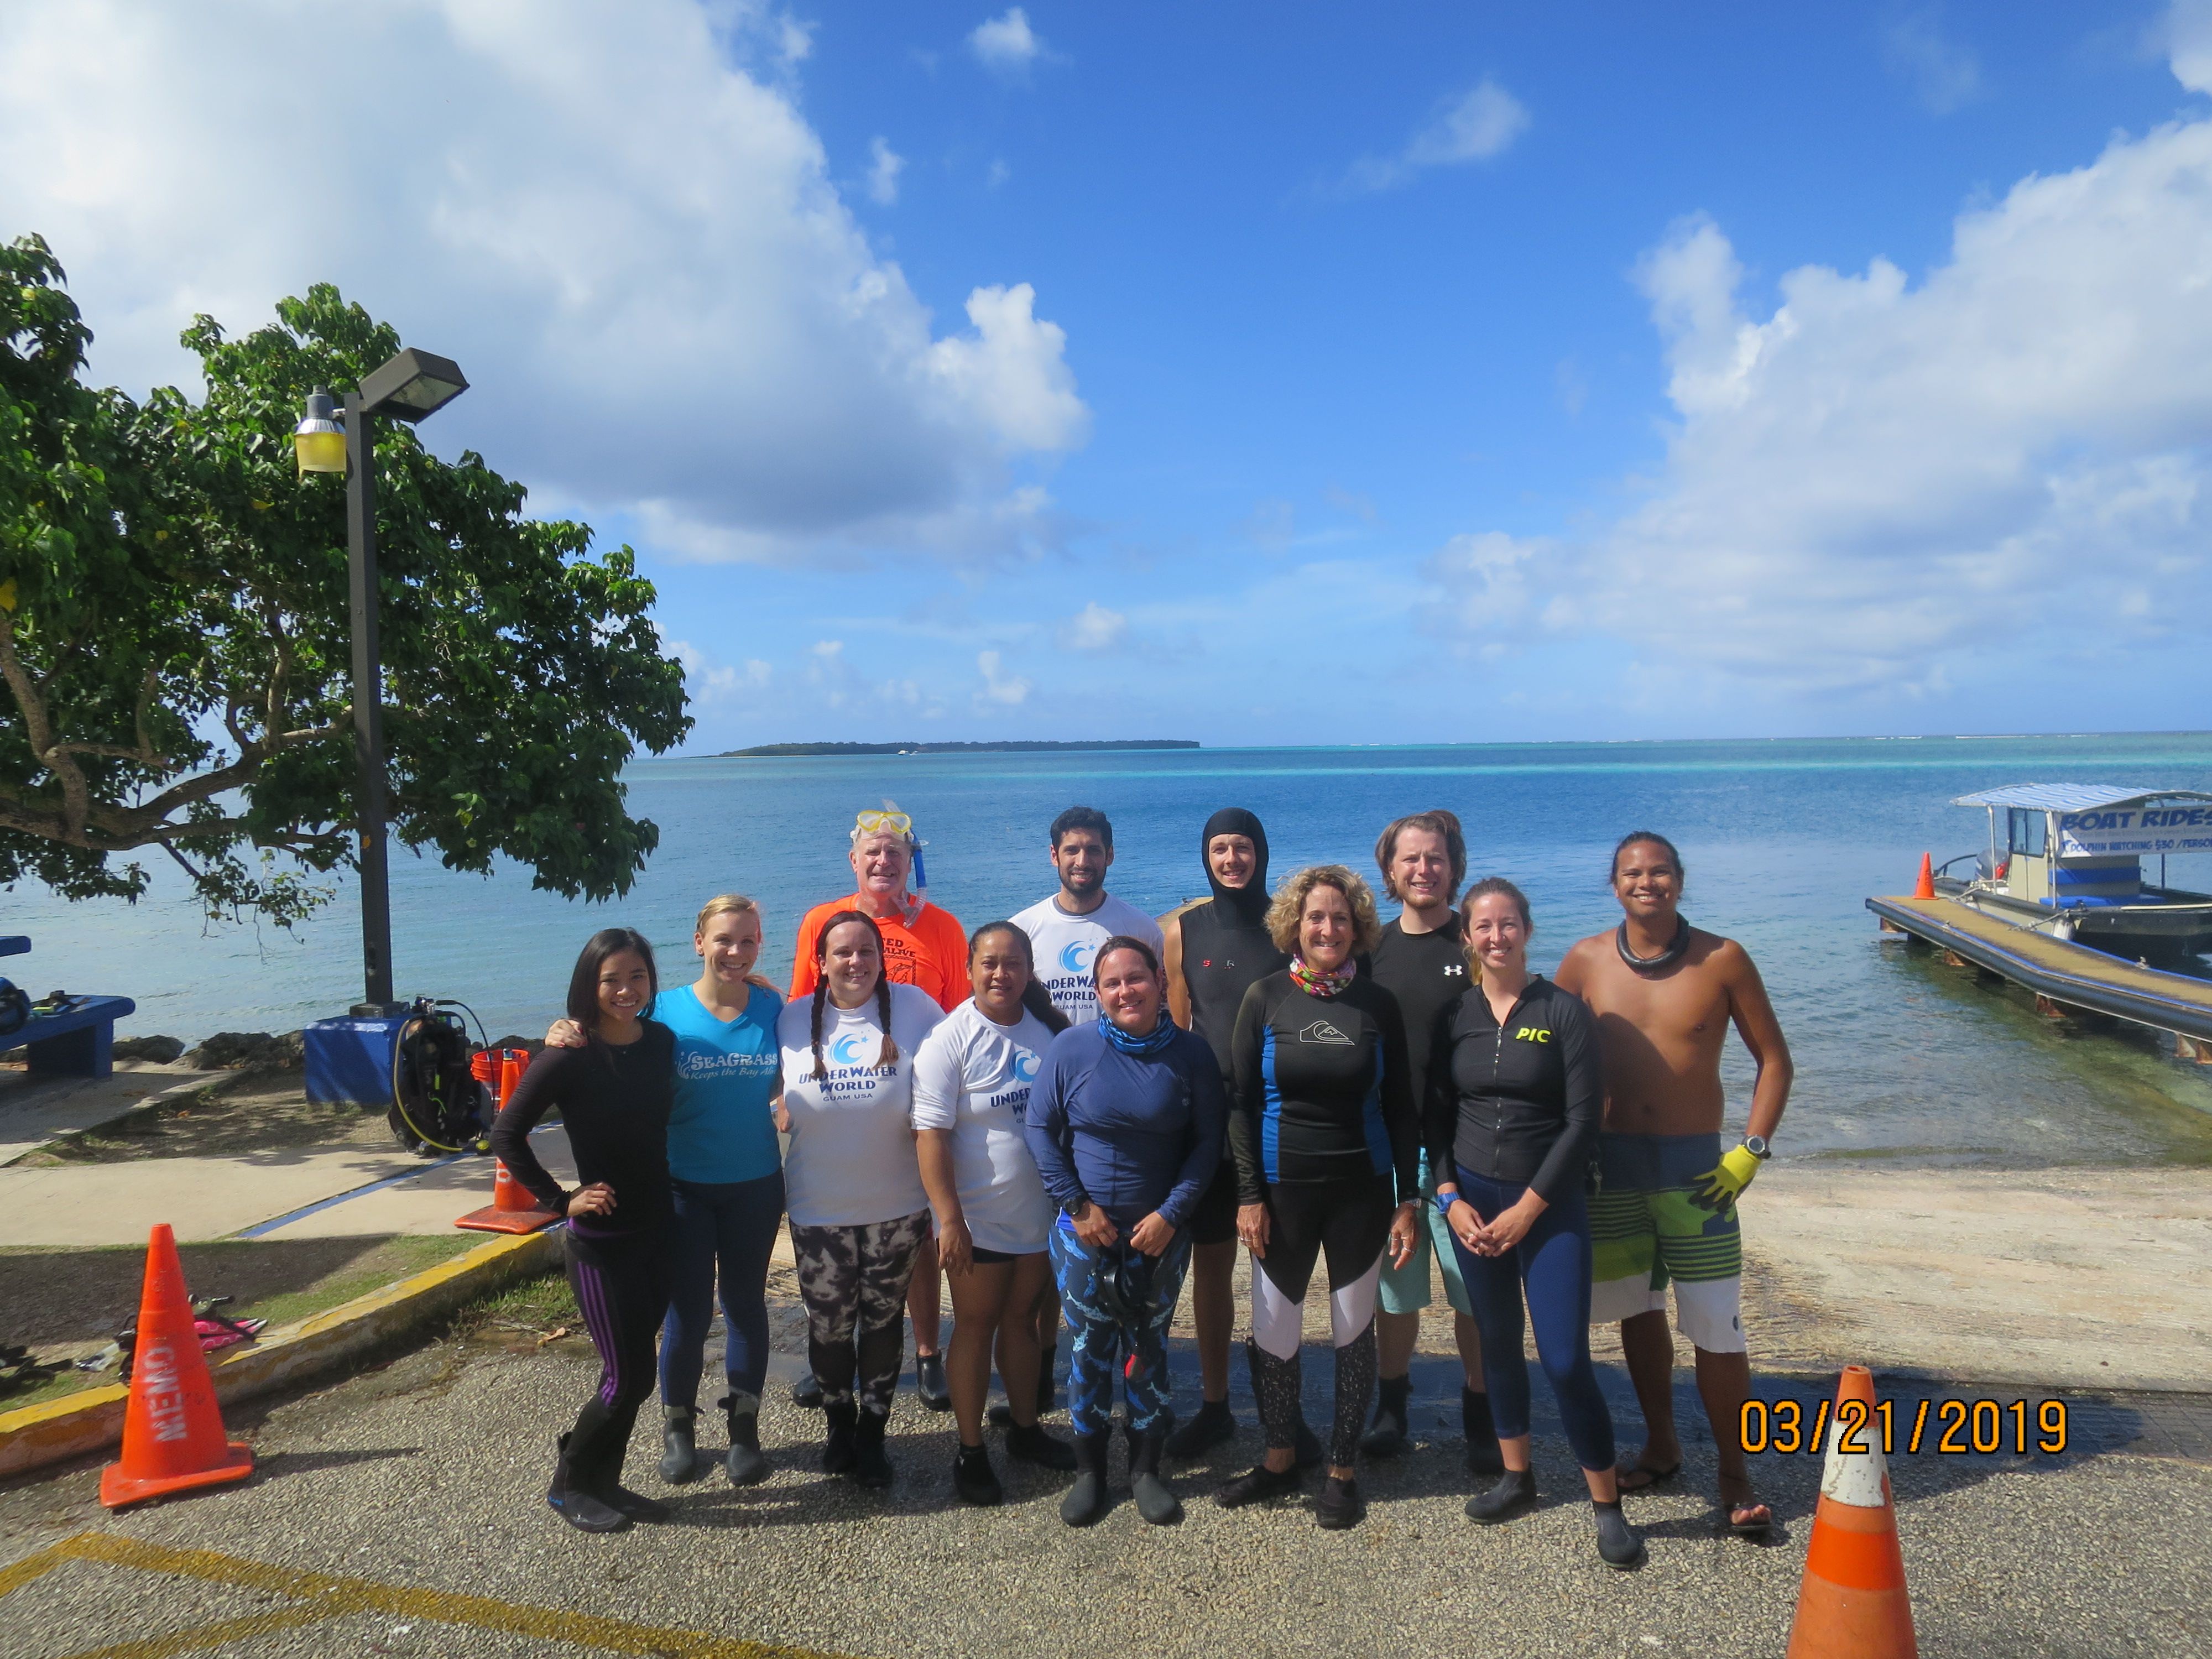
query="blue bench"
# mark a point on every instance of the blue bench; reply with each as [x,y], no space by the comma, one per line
[78,1041]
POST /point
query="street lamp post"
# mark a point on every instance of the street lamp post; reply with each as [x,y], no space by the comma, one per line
[412,386]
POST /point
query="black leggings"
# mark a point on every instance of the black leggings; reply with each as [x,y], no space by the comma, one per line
[622,1286]
[1350,1221]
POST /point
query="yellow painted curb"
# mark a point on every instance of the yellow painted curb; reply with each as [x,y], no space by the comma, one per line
[33,1436]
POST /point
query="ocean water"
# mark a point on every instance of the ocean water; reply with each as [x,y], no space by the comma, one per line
[1897,1056]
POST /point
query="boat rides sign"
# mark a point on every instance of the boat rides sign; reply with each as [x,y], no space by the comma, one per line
[2120,829]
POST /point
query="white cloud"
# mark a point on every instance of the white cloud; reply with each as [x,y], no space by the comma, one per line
[616,219]
[1877,487]
[1942,73]
[1006,46]
[711,681]
[997,688]
[1480,123]
[2188,32]
[885,165]
[1095,627]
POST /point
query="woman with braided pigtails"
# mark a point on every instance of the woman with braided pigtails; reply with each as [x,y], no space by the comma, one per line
[858,1213]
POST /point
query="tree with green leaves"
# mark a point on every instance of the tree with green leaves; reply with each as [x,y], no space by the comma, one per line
[174,638]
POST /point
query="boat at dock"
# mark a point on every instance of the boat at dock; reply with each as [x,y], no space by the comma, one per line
[2057,902]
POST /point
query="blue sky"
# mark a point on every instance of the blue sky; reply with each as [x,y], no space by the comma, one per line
[1252,374]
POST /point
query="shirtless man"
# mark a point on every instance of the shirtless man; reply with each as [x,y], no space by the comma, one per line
[1665,993]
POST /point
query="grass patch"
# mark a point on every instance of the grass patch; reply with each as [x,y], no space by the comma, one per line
[533,1307]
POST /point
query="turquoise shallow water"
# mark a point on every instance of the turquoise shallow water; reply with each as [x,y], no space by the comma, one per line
[1897,1056]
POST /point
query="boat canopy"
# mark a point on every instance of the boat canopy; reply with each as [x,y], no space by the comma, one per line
[2074,797]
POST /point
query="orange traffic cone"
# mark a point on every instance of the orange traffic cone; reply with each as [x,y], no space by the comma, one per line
[1852,1603]
[172,1435]
[1925,888]
[512,1209]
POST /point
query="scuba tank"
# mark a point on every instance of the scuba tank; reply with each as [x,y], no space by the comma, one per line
[437,1104]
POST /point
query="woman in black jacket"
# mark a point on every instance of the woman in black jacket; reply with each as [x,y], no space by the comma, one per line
[614,1094]
[1515,1102]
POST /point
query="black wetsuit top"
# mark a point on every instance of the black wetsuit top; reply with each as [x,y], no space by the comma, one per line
[1520,1102]
[1427,972]
[1320,1091]
[1222,959]
[614,1104]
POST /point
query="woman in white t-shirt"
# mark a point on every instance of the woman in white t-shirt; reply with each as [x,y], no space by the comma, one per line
[971,1090]
[859,1215]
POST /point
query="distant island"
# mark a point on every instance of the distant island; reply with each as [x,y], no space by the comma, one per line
[1024,747]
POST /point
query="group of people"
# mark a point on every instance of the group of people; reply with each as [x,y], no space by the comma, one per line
[1066,1113]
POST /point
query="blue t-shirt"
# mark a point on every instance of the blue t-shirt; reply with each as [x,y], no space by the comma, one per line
[721,1129]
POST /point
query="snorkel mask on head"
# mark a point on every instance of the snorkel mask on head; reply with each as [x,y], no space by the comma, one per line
[890,821]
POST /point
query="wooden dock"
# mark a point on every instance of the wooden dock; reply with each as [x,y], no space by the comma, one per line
[2067,979]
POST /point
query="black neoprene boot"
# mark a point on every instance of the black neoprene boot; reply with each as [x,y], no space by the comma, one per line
[1155,1503]
[744,1463]
[1214,1425]
[806,1393]
[871,1468]
[973,1478]
[679,1455]
[1514,1494]
[838,1453]
[1393,1417]
[929,1382]
[1338,1505]
[1086,1499]
[1618,1544]
[1482,1454]
[579,1508]
[1033,1445]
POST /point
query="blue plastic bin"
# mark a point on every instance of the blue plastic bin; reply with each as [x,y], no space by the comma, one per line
[349,1061]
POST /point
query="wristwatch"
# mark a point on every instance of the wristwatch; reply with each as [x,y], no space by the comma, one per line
[1445,1202]
[1757,1146]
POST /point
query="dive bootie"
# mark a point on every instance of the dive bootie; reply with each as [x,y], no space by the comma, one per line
[1085,1500]
[1617,1543]
[1482,1454]
[973,1478]
[806,1392]
[744,1463]
[838,1452]
[1212,1426]
[1157,1505]
[1338,1505]
[1393,1415]
[929,1382]
[1033,1445]
[1514,1494]
[870,1467]
[679,1454]
[579,1508]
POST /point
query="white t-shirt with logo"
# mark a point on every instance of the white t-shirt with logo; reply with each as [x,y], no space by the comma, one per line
[852,1159]
[973,1078]
[1064,946]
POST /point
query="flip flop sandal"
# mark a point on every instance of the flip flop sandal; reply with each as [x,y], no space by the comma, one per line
[1763,1528]
[1641,1477]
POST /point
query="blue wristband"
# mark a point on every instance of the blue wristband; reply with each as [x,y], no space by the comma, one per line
[1445,1202]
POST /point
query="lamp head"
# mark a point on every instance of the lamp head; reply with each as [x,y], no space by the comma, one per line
[319,440]
[413,384]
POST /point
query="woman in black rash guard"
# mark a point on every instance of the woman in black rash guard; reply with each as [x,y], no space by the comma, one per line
[1214,952]
[1511,1120]
[1325,1133]
[614,1094]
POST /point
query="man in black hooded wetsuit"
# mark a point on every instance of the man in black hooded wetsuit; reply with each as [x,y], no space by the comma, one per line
[1215,951]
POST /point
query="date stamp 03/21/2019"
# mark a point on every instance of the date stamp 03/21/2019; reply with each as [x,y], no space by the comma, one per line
[1948,1427]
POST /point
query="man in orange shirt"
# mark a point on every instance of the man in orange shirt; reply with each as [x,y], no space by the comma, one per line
[926,947]
[923,945]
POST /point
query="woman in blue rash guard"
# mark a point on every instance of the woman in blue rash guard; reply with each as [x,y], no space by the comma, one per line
[727,1176]
[1125,1123]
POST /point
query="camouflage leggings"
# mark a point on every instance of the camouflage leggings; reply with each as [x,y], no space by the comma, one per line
[854,1282]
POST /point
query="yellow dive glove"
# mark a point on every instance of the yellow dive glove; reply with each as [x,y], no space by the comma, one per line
[1722,1184]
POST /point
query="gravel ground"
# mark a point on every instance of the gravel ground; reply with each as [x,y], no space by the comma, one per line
[429,1471]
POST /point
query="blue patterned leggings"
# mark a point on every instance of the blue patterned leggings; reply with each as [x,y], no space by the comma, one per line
[1118,1304]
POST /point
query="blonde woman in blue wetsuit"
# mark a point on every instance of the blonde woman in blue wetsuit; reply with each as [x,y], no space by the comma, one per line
[726,1177]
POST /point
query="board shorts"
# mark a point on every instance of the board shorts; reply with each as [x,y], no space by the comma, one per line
[1648,1231]
[1405,1290]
